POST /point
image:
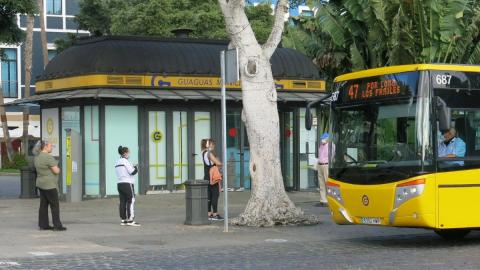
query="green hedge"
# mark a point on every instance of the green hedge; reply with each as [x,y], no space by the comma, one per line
[18,161]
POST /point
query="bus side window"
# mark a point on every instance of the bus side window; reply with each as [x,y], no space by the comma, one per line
[466,133]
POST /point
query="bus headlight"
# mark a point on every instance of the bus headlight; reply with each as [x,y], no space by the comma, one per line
[406,191]
[333,190]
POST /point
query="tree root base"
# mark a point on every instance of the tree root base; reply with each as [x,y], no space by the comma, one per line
[296,217]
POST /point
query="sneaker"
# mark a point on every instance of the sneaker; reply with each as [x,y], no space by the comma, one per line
[230,189]
[59,229]
[210,217]
[217,217]
[49,228]
[133,223]
[123,222]
[240,189]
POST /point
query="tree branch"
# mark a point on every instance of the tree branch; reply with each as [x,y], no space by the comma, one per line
[236,3]
[276,35]
[223,4]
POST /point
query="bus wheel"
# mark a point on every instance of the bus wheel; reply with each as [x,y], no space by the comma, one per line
[453,234]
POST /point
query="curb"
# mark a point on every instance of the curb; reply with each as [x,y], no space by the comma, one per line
[9,174]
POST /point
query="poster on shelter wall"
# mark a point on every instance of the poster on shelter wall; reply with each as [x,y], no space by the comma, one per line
[50,127]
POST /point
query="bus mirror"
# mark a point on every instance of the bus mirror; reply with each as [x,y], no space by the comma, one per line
[443,114]
[308,118]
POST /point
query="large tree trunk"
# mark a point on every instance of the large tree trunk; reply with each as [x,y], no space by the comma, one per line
[269,204]
[43,34]
[28,75]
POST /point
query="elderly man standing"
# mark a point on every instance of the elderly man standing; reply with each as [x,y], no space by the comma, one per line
[322,168]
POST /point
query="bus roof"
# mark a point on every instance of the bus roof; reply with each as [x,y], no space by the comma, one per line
[404,68]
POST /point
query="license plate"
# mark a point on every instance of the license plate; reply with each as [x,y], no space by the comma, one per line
[370,220]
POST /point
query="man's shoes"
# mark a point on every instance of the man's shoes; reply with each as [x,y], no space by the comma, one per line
[59,229]
[48,228]
[133,223]
[240,189]
[123,222]
[210,217]
[217,217]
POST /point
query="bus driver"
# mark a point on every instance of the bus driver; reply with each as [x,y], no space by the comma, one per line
[452,146]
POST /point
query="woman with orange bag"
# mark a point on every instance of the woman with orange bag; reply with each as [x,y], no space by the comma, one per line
[210,161]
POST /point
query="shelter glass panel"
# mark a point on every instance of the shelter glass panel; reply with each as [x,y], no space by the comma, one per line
[121,128]
[157,149]
[70,119]
[180,147]
[92,150]
[238,152]
[286,134]
[202,131]
[307,154]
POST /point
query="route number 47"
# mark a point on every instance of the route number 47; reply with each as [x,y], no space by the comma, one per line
[443,79]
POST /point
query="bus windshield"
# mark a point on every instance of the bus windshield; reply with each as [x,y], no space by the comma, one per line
[381,139]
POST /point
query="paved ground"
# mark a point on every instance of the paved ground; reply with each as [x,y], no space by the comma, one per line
[9,186]
[95,240]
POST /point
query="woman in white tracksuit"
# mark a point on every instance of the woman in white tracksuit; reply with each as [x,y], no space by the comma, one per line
[126,190]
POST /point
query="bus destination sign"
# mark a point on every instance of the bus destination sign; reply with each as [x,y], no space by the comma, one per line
[373,89]
[379,87]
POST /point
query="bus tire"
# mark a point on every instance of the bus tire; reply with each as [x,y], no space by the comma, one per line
[453,234]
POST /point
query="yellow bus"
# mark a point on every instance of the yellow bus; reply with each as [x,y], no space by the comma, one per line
[405,148]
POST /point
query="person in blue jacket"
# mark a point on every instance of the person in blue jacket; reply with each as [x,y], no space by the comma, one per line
[452,146]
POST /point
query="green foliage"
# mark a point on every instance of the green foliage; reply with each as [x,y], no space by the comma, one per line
[95,16]
[9,31]
[63,44]
[349,35]
[18,161]
[160,17]
[261,20]
[296,39]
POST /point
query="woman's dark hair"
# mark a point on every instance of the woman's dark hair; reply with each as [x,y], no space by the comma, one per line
[122,150]
[205,143]
[43,143]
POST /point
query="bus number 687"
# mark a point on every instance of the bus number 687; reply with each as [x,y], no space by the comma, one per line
[443,79]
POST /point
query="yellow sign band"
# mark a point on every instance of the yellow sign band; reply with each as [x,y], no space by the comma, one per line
[163,82]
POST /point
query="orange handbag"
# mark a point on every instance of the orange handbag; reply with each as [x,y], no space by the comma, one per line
[215,175]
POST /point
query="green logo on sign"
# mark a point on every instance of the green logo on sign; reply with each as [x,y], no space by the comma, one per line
[157,136]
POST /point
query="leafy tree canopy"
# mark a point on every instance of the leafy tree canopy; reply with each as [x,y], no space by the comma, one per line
[160,17]
[9,31]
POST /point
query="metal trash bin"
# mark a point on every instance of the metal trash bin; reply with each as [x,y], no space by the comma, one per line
[28,177]
[196,202]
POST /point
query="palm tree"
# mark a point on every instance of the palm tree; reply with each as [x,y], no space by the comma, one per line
[11,34]
[6,132]
[43,34]
[28,74]
[352,35]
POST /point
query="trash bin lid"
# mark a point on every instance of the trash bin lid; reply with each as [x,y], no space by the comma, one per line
[197,182]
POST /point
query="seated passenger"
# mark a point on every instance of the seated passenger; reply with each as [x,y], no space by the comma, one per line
[452,146]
